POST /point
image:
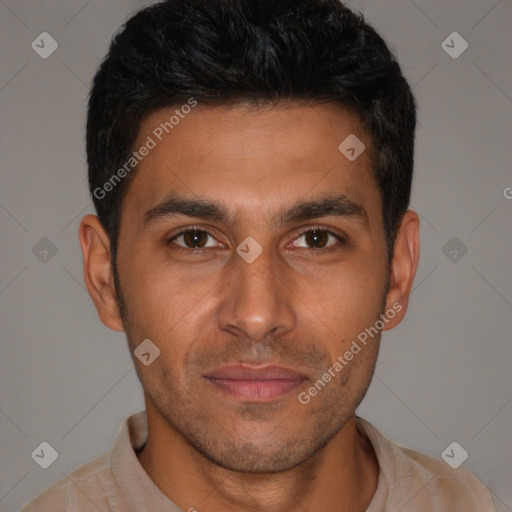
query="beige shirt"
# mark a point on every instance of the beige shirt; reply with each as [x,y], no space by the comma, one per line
[116,482]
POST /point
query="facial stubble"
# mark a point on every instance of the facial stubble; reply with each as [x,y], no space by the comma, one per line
[272,439]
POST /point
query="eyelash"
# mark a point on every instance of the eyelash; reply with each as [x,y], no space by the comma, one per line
[191,252]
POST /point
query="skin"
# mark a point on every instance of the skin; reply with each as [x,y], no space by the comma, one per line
[300,304]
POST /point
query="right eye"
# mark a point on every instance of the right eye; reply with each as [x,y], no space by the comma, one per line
[192,240]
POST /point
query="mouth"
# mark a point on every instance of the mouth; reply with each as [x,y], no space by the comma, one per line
[255,383]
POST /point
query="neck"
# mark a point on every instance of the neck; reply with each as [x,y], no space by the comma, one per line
[342,476]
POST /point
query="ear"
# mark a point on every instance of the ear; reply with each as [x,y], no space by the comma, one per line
[403,268]
[98,275]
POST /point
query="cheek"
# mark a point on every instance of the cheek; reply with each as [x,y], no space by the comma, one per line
[348,302]
[346,298]
[168,304]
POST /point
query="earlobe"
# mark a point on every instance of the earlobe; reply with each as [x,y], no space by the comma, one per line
[403,268]
[97,267]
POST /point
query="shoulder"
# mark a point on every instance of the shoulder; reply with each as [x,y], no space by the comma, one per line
[83,489]
[455,489]
[417,481]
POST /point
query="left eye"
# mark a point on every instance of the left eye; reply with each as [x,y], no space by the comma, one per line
[317,238]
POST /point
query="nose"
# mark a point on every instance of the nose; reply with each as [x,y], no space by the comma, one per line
[257,298]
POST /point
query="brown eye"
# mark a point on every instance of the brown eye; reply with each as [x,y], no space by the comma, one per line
[317,239]
[193,239]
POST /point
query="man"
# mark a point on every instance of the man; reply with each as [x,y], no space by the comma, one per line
[251,165]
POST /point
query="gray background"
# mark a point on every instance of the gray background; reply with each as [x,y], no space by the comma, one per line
[443,375]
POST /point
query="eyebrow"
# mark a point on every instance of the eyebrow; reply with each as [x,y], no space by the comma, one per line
[331,206]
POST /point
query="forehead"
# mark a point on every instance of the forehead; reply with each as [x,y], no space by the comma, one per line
[252,159]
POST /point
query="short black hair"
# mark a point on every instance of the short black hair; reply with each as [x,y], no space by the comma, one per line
[227,51]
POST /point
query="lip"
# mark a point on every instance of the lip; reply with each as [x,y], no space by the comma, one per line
[255,383]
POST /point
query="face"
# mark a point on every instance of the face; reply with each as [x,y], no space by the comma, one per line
[252,254]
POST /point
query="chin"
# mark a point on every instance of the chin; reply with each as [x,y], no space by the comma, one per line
[252,460]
